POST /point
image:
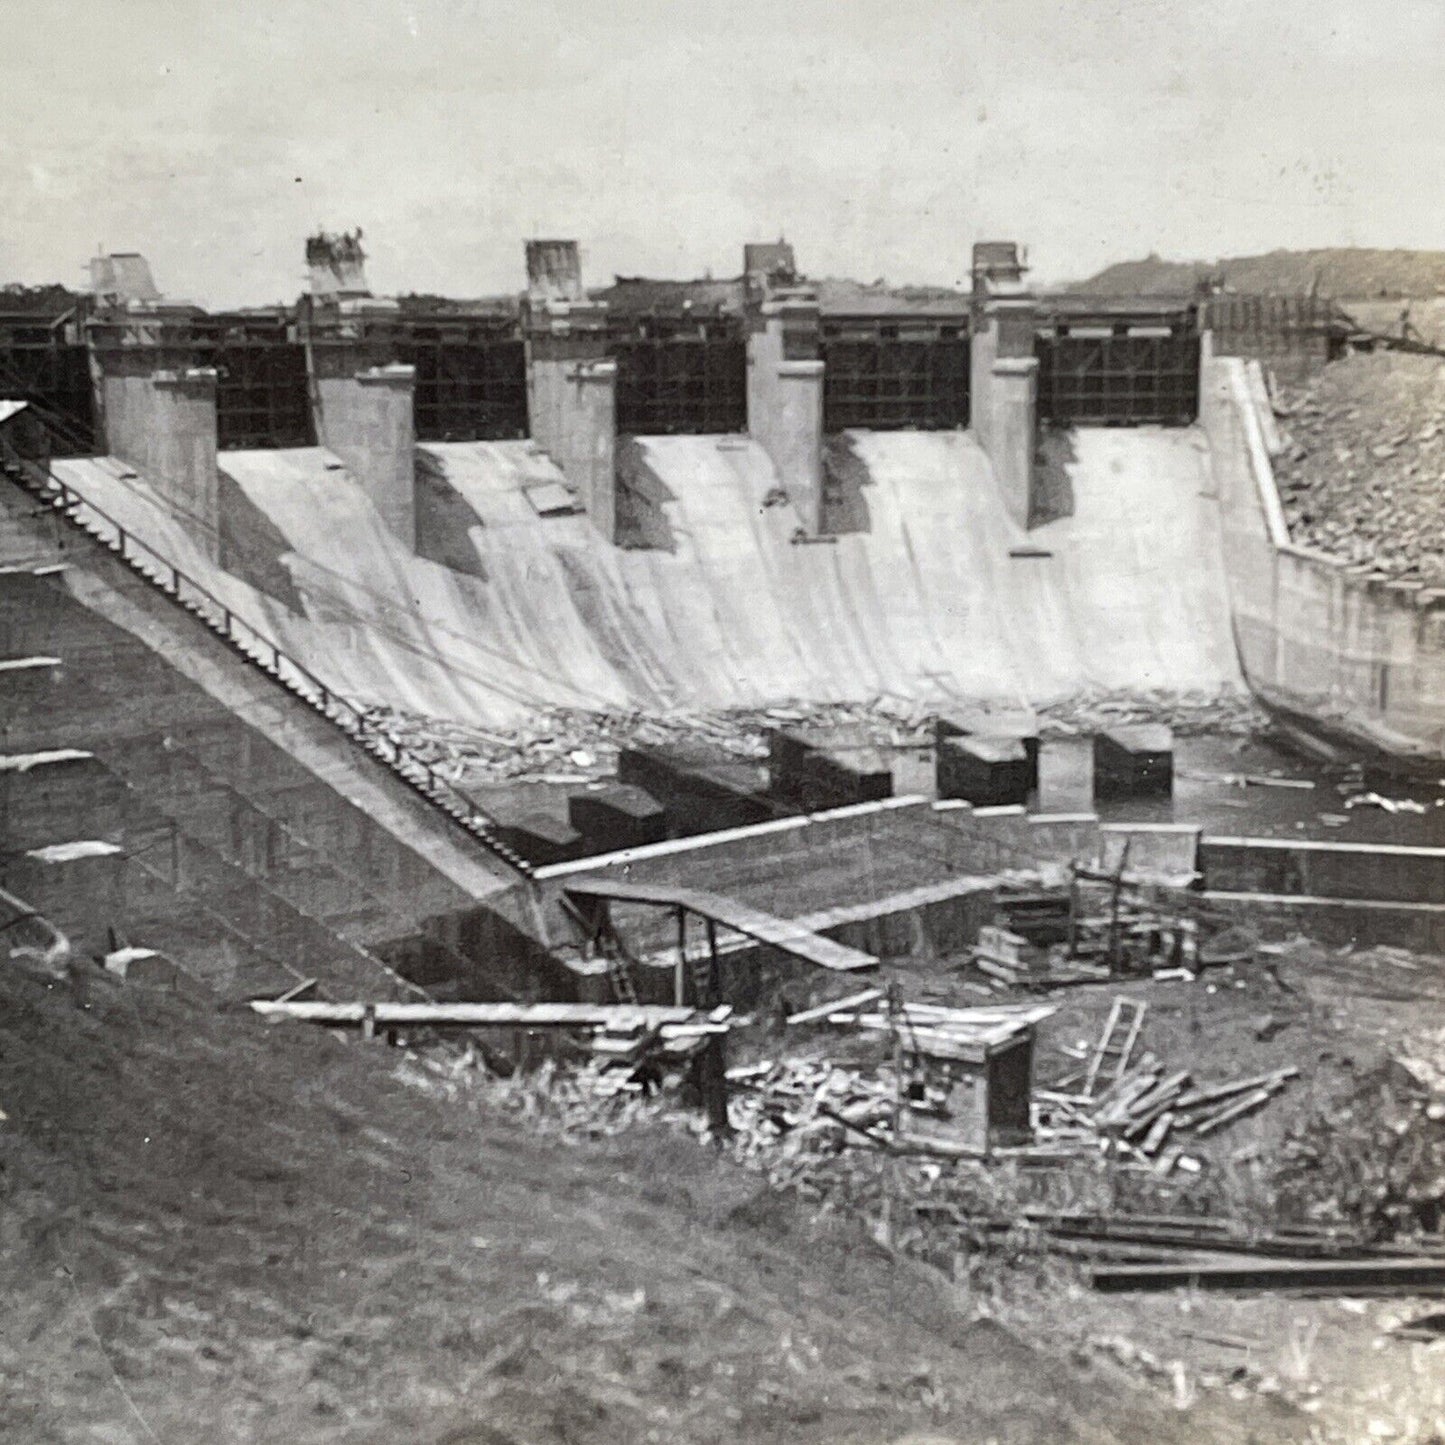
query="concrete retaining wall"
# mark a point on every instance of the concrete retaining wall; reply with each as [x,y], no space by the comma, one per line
[1344,650]
[1420,927]
[1378,871]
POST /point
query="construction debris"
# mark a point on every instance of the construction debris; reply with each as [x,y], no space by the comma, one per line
[1136,1111]
[584,745]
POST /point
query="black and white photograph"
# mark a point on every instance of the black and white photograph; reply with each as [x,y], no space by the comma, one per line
[722,722]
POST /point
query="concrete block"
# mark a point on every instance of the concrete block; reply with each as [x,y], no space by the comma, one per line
[617,816]
[703,789]
[160,416]
[1004,372]
[84,896]
[1134,761]
[70,797]
[985,771]
[543,839]
[573,411]
[809,771]
[554,271]
[1013,432]
[1012,722]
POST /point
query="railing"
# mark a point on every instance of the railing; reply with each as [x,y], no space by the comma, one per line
[257,648]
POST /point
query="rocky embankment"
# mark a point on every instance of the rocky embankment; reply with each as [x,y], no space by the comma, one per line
[1362,472]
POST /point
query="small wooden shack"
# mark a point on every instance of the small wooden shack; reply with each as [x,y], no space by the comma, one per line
[966,1075]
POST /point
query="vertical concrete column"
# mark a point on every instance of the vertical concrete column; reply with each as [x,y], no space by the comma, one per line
[182,451]
[160,416]
[785,396]
[1003,399]
[363,404]
[584,436]
[366,416]
[983,352]
[571,382]
[1013,428]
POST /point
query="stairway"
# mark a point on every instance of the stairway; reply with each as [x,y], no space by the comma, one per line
[40,483]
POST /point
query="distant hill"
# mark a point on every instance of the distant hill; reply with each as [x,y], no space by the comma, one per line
[1339,272]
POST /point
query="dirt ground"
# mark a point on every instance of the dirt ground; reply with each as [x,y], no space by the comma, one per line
[212,1230]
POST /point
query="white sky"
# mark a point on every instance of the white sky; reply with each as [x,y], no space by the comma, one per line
[881,136]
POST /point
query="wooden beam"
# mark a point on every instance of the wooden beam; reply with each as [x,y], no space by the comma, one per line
[487,1015]
[842,1005]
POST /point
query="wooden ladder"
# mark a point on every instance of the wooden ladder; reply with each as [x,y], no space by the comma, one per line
[1116,1045]
[619,972]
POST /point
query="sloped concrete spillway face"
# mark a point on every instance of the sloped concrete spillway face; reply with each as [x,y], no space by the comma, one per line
[920,596]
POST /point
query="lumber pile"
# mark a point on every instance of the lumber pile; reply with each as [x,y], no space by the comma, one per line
[1006,957]
[1146,1114]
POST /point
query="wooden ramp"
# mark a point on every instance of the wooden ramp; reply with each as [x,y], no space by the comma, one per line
[781,933]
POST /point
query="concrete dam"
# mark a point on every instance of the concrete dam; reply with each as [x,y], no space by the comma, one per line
[479,579]
[1009,503]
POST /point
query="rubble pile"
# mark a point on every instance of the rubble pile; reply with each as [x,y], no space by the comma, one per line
[568,746]
[1223,714]
[1362,470]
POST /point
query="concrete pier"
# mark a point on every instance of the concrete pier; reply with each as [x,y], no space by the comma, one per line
[366,416]
[363,404]
[1004,372]
[617,816]
[571,383]
[1018,723]
[1135,761]
[160,412]
[785,380]
[989,772]
[827,768]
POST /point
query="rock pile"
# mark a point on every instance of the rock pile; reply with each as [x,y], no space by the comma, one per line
[568,746]
[1362,470]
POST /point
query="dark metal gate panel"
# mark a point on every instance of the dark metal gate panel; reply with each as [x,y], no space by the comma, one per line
[55,379]
[681,384]
[1118,378]
[262,392]
[887,383]
[468,389]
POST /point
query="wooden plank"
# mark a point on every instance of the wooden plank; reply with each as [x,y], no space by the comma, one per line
[1247,1105]
[482,1015]
[1211,1093]
[785,934]
[825,1010]
[1335,1276]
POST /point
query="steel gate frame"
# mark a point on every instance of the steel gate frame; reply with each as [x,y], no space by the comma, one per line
[886,382]
[54,377]
[1122,378]
[263,389]
[468,388]
[683,383]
